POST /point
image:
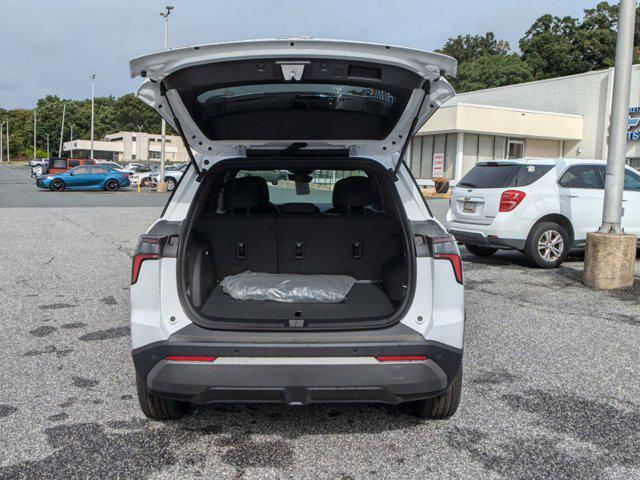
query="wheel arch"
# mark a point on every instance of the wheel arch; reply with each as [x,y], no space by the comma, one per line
[558,218]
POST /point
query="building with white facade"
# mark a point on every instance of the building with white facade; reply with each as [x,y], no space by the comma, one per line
[559,117]
[125,147]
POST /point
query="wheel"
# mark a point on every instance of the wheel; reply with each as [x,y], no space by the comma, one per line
[57,185]
[145,182]
[171,184]
[444,405]
[481,251]
[548,245]
[157,408]
[112,185]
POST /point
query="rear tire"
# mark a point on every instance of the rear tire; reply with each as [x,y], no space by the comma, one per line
[548,245]
[444,405]
[57,185]
[171,184]
[157,408]
[112,185]
[480,251]
[145,182]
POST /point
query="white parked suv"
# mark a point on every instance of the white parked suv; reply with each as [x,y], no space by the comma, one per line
[379,315]
[542,207]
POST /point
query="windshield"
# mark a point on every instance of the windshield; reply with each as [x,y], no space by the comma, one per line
[503,175]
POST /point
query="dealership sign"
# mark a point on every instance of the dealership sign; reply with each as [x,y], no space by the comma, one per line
[438,165]
[632,132]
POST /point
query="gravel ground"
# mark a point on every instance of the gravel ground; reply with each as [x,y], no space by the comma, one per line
[550,390]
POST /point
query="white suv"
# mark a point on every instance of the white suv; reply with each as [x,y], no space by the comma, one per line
[542,207]
[336,117]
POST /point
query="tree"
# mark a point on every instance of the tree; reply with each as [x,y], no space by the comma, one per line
[549,49]
[471,47]
[492,71]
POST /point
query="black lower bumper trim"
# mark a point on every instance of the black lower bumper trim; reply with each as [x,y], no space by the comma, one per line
[470,238]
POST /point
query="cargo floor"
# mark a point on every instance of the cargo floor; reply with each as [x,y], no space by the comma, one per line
[365,300]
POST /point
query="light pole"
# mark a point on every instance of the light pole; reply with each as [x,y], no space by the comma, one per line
[71,141]
[610,254]
[93,95]
[1,146]
[64,108]
[8,158]
[139,144]
[48,154]
[34,135]
[162,186]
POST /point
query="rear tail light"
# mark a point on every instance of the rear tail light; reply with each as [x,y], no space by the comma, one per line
[191,358]
[402,358]
[510,199]
[446,248]
[148,249]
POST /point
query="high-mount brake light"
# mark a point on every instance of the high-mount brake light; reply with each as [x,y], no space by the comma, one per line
[446,248]
[510,199]
[191,358]
[148,249]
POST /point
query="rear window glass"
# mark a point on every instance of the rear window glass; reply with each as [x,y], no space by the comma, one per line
[503,175]
[59,163]
[291,111]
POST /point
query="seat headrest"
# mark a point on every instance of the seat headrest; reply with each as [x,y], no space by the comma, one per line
[298,208]
[243,193]
[353,192]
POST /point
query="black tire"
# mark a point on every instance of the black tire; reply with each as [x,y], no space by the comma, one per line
[111,185]
[171,184]
[157,408]
[57,185]
[444,405]
[145,182]
[481,251]
[537,253]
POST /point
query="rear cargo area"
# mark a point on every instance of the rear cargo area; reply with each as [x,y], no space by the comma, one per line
[239,229]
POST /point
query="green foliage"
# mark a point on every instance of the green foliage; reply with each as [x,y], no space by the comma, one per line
[552,47]
[126,113]
[492,71]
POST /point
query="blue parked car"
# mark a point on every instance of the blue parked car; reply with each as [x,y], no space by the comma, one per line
[95,177]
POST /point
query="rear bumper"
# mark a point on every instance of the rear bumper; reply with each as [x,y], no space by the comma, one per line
[297,373]
[475,238]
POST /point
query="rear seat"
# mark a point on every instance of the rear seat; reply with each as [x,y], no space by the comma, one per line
[244,238]
[351,239]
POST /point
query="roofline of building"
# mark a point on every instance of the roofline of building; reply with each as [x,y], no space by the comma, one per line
[515,85]
[524,110]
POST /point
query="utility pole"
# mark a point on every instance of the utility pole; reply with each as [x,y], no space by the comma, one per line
[34,134]
[610,254]
[8,158]
[48,154]
[162,185]
[139,144]
[64,107]
[1,146]
[71,141]
[93,95]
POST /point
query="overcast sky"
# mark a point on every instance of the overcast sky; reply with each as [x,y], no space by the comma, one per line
[52,46]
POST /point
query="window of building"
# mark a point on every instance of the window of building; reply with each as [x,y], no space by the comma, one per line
[115,139]
[515,148]
[154,154]
[583,176]
[133,156]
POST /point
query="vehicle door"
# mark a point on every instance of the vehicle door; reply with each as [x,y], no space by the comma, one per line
[78,177]
[97,176]
[581,194]
[631,202]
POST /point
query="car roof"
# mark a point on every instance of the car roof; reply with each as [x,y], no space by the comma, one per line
[548,161]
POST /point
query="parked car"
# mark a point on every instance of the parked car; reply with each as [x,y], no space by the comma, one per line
[172,175]
[397,337]
[59,165]
[137,167]
[541,207]
[116,166]
[95,177]
[271,176]
[142,178]
[37,162]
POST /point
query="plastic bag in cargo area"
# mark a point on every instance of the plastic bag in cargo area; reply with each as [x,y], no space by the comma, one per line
[282,287]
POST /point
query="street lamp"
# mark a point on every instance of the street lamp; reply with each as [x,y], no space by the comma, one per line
[71,155]
[93,95]
[34,134]
[1,135]
[162,186]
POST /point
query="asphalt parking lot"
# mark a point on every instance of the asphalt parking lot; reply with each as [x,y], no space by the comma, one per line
[550,388]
